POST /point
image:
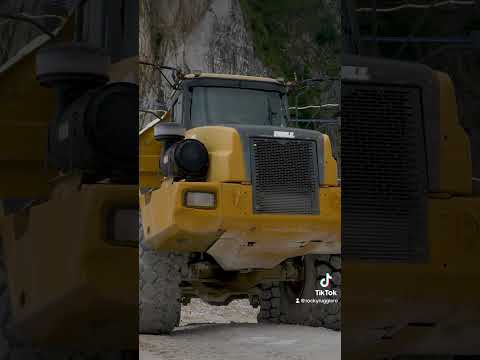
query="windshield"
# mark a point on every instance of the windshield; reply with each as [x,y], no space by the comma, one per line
[222,105]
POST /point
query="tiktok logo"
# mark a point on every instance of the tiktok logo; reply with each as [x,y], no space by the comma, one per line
[325,282]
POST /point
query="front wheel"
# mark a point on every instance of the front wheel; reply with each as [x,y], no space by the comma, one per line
[159,289]
[281,302]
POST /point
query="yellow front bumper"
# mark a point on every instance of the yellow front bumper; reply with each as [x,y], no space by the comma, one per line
[232,233]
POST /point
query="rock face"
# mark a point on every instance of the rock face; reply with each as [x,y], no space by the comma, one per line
[204,35]
[215,40]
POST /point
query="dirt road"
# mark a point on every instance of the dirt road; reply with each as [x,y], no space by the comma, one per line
[231,333]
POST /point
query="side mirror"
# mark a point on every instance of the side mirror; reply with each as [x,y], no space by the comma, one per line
[168,133]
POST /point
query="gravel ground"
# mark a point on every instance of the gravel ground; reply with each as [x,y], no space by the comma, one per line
[232,333]
[197,312]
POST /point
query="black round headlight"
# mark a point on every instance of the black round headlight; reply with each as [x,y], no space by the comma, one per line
[192,157]
[186,159]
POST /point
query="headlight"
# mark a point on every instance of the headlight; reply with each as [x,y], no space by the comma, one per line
[201,200]
[122,227]
[186,159]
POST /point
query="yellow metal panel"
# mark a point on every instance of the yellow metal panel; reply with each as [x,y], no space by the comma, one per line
[224,145]
[265,240]
[167,224]
[455,157]
[149,160]
[330,164]
[248,239]
[62,268]
[26,108]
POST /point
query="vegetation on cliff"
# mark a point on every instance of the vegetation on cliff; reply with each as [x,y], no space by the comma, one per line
[300,37]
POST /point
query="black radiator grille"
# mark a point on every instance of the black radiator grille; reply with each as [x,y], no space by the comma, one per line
[383,173]
[284,176]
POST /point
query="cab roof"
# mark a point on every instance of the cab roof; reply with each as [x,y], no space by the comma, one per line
[232,77]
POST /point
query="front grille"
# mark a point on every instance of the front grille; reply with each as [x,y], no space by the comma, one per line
[284,176]
[383,173]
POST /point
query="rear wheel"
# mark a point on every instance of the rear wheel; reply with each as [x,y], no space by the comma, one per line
[159,289]
[281,301]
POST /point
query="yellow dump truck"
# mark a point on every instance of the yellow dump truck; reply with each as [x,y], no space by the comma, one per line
[235,204]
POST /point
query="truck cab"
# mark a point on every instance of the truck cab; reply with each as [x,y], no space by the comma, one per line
[212,99]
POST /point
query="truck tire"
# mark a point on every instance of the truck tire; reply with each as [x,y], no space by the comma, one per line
[159,289]
[278,303]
